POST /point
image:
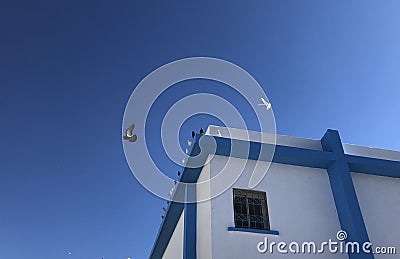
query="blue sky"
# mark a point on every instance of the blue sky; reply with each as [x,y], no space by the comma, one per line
[67,70]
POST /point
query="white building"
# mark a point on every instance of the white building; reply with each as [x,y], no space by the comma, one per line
[312,190]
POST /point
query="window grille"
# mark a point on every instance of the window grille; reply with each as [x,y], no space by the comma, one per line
[250,209]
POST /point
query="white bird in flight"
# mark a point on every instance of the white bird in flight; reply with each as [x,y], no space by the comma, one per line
[265,103]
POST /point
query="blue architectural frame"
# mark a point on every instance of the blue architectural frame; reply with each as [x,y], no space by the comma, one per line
[250,230]
[332,158]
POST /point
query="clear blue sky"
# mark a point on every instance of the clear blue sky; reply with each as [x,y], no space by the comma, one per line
[67,69]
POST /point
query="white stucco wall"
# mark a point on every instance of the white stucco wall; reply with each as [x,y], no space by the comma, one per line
[300,205]
[174,249]
[379,199]
[371,152]
[269,138]
[203,239]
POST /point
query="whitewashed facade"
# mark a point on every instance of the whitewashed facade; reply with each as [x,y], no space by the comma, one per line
[314,188]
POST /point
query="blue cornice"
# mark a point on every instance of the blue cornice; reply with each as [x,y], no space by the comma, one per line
[374,166]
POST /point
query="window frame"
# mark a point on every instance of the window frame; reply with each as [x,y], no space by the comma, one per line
[261,195]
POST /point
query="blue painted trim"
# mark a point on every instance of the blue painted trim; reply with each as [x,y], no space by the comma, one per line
[165,232]
[344,194]
[174,211]
[374,166]
[282,154]
[249,230]
[331,158]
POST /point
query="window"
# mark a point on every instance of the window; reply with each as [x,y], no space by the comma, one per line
[250,209]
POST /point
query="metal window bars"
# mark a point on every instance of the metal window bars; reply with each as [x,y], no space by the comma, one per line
[250,209]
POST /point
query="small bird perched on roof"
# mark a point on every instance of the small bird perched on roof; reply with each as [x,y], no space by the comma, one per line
[179,173]
[201,131]
[129,134]
[193,134]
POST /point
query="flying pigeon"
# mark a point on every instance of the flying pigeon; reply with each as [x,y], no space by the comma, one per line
[265,103]
[129,134]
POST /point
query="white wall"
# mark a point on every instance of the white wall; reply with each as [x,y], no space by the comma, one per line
[300,205]
[371,152]
[263,137]
[379,199]
[203,239]
[174,249]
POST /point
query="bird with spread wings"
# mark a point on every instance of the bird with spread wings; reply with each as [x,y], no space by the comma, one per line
[265,103]
[129,134]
